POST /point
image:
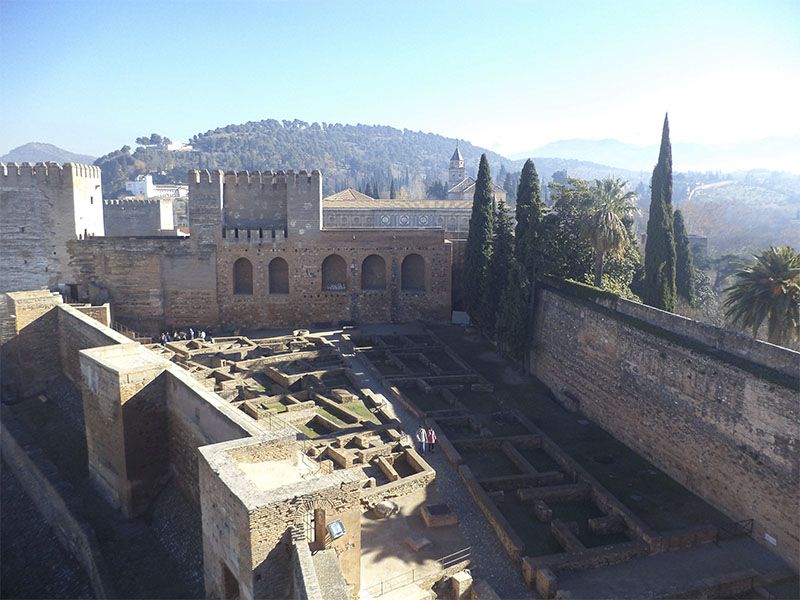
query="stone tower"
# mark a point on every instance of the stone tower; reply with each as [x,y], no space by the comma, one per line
[42,208]
[457,171]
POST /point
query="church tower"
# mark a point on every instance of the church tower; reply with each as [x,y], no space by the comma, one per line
[457,171]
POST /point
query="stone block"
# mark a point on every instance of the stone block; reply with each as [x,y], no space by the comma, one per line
[546,583]
[461,584]
[417,542]
[438,515]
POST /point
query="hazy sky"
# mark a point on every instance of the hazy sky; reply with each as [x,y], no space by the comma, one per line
[512,76]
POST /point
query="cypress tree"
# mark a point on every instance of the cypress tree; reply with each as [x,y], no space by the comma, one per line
[684,263]
[502,254]
[529,219]
[478,251]
[392,191]
[659,258]
[512,320]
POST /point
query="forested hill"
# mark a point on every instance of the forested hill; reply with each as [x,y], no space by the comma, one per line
[348,156]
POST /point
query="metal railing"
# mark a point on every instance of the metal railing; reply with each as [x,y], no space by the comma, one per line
[418,574]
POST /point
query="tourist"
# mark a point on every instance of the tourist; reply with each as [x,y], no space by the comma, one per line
[202,336]
[422,438]
[191,333]
[431,440]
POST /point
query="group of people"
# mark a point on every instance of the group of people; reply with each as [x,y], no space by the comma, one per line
[184,335]
[426,439]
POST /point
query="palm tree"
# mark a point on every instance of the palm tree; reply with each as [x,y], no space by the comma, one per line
[769,289]
[604,227]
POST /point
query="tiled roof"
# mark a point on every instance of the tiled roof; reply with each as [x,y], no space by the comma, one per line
[349,195]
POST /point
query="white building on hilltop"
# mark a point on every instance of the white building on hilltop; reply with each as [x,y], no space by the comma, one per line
[143,186]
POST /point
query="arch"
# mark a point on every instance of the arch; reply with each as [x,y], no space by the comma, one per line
[334,274]
[278,276]
[373,273]
[243,277]
[412,273]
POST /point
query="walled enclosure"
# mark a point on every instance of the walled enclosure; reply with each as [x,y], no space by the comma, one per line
[164,283]
[716,410]
[42,207]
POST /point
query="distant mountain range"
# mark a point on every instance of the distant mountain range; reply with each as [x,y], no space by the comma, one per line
[773,153]
[34,152]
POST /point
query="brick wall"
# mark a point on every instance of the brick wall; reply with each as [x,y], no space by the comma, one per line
[716,410]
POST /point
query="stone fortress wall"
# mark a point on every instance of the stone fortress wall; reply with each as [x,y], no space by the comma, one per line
[42,208]
[717,410]
[258,256]
[138,217]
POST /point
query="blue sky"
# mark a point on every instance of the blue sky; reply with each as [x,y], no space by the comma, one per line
[512,76]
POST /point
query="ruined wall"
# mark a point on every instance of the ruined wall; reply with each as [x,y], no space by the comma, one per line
[41,208]
[716,410]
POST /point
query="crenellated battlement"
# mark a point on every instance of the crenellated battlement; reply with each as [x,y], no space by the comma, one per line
[254,178]
[199,177]
[50,172]
[134,202]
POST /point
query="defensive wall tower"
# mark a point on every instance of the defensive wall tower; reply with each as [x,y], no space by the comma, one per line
[138,216]
[42,207]
[289,203]
[205,206]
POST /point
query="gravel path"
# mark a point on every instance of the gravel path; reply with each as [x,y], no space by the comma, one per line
[490,561]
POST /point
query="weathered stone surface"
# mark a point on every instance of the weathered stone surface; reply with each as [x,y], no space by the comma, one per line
[716,410]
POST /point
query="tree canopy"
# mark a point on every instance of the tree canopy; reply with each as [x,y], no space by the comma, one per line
[478,252]
[768,292]
[659,260]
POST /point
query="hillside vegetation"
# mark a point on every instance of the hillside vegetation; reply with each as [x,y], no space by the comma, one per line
[348,156]
[747,213]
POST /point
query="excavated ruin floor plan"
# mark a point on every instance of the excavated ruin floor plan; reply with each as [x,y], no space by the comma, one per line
[543,498]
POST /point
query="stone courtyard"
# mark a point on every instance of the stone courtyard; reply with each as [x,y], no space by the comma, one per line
[267,439]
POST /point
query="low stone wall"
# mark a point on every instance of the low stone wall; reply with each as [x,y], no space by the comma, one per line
[510,540]
[53,498]
[395,489]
